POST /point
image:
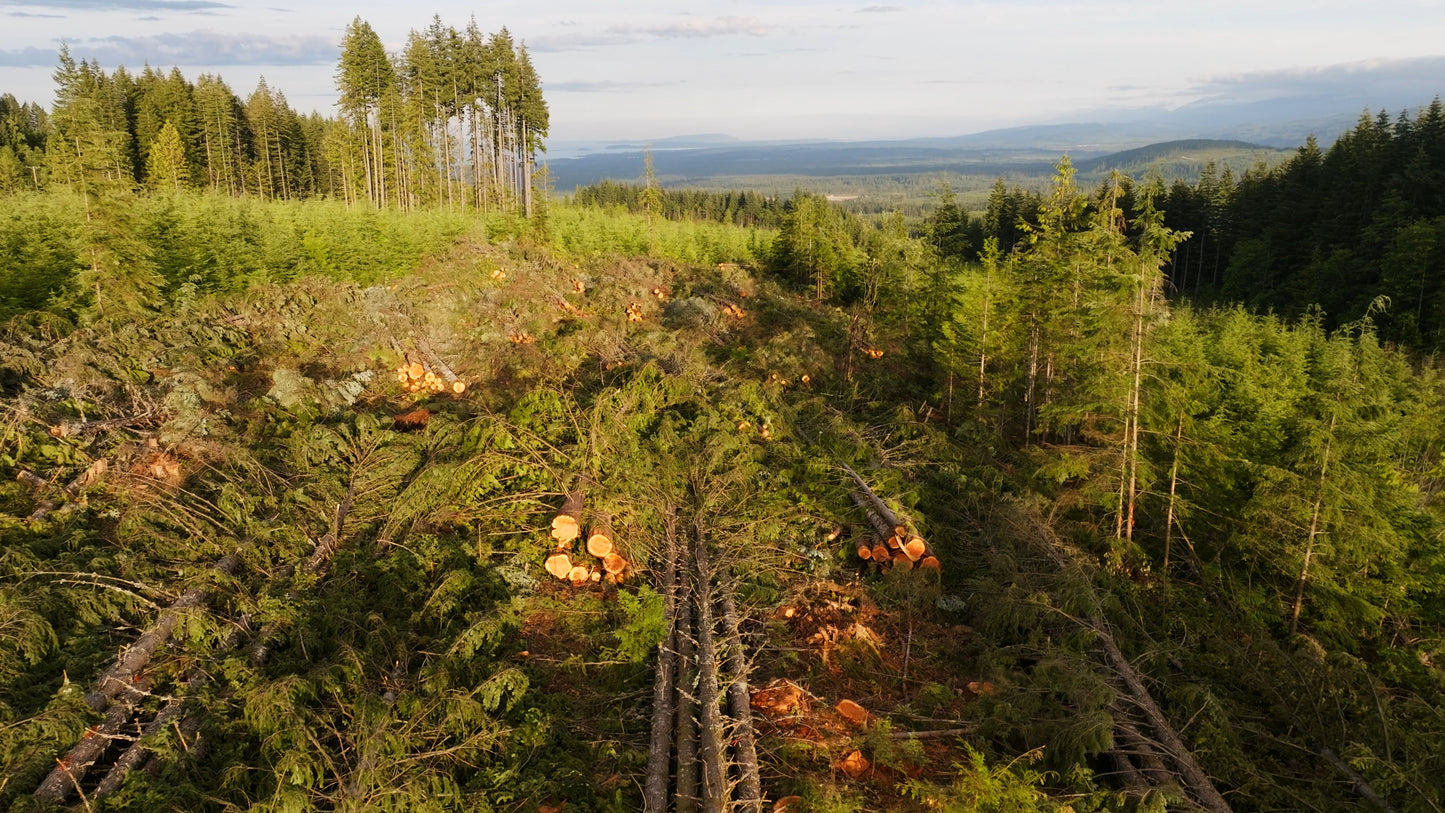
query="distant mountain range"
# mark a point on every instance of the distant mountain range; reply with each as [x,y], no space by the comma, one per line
[1178,142]
[1034,154]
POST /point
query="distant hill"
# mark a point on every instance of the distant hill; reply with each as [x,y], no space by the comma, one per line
[1018,153]
[1183,158]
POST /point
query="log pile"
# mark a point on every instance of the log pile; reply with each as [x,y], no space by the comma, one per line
[892,544]
[599,558]
[415,376]
[634,312]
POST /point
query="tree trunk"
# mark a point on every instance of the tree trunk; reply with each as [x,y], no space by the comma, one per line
[1304,573]
[659,753]
[714,772]
[1173,493]
[687,769]
[120,676]
[71,769]
[750,788]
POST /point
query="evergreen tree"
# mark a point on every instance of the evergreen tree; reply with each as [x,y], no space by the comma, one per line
[364,78]
[166,164]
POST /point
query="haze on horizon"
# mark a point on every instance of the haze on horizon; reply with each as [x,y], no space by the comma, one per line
[847,69]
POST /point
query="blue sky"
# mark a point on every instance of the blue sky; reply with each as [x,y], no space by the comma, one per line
[789,68]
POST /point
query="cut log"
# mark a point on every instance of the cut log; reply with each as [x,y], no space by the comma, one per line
[614,563]
[878,505]
[852,712]
[599,540]
[881,553]
[854,764]
[1357,782]
[865,551]
[415,371]
[893,543]
[709,687]
[565,529]
[92,475]
[930,561]
[316,565]
[170,714]
[1196,781]
[1137,749]
[901,560]
[559,564]
[915,547]
[79,428]
[443,371]
[42,510]
[71,769]
[686,747]
[577,575]
[566,526]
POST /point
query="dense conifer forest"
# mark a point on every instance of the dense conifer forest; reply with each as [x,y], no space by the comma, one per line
[342,470]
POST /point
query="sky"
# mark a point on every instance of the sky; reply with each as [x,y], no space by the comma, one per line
[788,69]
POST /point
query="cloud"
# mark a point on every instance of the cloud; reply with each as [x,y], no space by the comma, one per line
[36,16]
[29,58]
[1417,77]
[127,5]
[600,87]
[879,9]
[190,48]
[628,34]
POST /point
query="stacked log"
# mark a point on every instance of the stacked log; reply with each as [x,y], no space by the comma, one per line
[599,559]
[893,544]
[415,376]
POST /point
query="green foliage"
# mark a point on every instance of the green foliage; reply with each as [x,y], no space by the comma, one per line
[579,232]
[746,209]
[977,787]
[817,247]
[403,649]
[645,627]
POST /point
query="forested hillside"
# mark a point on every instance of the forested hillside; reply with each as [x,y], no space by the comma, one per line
[1338,228]
[392,496]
